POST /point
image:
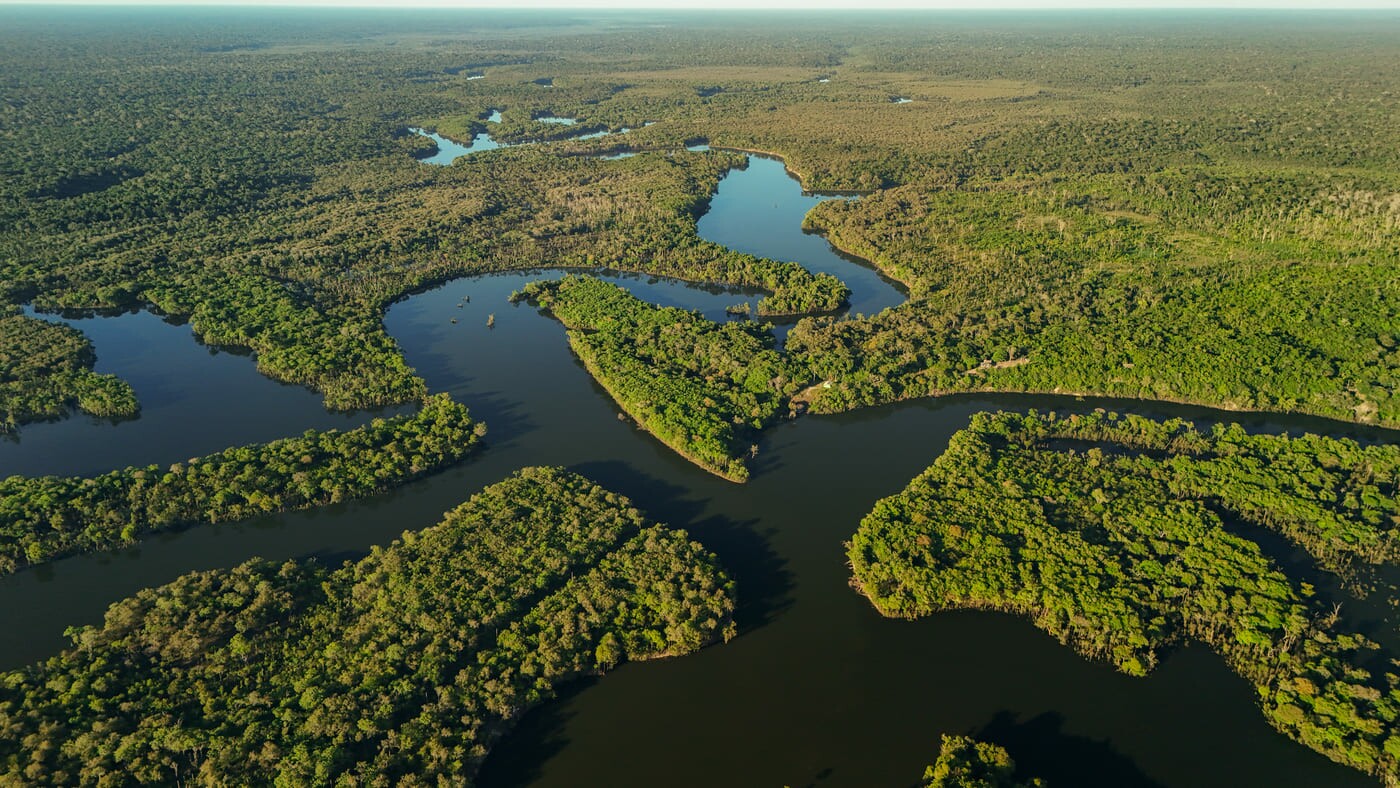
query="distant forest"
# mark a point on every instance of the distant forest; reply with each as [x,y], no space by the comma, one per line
[1160,207]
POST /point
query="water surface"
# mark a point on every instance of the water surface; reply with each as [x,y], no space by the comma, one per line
[818,689]
[759,210]
[195,400]
[449,150]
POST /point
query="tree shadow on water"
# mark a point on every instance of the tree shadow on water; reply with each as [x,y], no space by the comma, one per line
[506,419]
[517,759]
[762,581]
[1042,749]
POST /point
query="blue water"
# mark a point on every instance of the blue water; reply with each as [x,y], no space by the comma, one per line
[449,151]
[818,689]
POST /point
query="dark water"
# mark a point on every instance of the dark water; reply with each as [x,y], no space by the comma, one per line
[818,689]
[194,399]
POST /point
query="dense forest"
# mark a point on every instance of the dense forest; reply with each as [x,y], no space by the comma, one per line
[1154,207]
[1121,536]
[1161,220]
[43,518]
[967,763]
[403,667]
[703,388]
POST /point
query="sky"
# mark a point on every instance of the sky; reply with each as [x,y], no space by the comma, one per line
[806,5]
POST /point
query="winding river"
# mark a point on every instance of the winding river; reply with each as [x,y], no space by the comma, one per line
[818,690]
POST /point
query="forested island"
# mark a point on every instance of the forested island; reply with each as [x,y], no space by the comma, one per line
[1115,535]
[406,665]
[964,762]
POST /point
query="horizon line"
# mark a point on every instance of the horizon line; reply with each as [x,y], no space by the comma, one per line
[807,6]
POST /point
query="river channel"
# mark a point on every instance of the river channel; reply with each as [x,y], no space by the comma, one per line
[818,689]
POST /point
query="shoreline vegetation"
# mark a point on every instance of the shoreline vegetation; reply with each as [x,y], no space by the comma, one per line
[702,388]
[1114,535]
[46,372]
[964,762]
[408,664]
[1169,223]
[1157,247]
[45,518]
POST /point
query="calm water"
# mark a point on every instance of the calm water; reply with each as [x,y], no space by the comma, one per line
[818,689]
[194,399]
[449,151]
[759,210]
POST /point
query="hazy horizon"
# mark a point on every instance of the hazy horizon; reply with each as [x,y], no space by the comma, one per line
[759,5]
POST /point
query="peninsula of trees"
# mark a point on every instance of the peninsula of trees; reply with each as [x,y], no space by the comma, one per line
[703,388]
[1119,537]
[1064,223]
[964,762]
[46,369]
[43,518]
[406,665]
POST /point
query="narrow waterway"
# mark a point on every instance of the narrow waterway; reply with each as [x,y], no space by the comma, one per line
[449,150]
[759,210]
[818,689]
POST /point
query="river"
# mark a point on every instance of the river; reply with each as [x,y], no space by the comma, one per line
[818,689]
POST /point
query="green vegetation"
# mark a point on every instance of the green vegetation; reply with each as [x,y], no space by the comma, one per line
[1117,536]
[46,368]
[703,388]
[1217,285]
[48,517]
[1156,207]
[1136,211]
[964,762]
[405,666]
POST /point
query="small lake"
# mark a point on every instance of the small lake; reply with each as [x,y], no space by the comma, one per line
[449,150]
[818,689]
